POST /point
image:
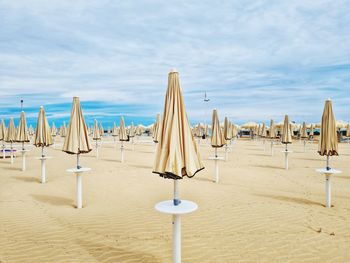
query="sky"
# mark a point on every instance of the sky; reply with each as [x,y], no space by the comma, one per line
[256,60]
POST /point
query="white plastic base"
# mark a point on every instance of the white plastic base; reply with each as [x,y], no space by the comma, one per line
[184,207]
[79,186]
[328,174]
[23,159]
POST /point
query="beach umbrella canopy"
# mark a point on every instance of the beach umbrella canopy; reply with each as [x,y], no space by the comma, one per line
[53,130]
[139,130]
[217,137]
[312,127]
[227,129]
[328,144]
[286,132]
[249,125]
[132,130]
[263,131]
[43,137]
[96,135]
[2,130]
[303,132]
[22,132]
[77,139]
[177,155]
[63,130]
[122,132]
[114,130]
[272,131]
[102,130]
[11,132]
[156,129]
[347,131]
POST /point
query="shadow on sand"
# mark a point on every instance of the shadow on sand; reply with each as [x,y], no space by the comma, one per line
[27,179]
[104,253]
[301,201]
[54,200]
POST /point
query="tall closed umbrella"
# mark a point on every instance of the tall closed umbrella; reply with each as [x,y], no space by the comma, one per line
[303,134]
[132,134]
[286,138]
[156,129]
[122,138]
[311,134]
[115,132]
[227,135]
[96,136]
[348,130]
[11,136]
[77,142]
[328,145]
[217,141]
[22,136]
[53,130]
[102,130]
[272,134]
[63,130]
[176,157]
[2,136]
[43,138]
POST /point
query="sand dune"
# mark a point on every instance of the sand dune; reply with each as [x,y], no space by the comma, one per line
[259,212]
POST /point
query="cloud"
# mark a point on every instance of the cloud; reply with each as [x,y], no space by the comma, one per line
[256,59]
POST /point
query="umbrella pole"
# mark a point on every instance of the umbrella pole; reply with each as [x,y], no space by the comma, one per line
[304,145]
[226,152]
[176,226]
[328,190]
[23,158]
[11,154]
[43,167]
[286,157]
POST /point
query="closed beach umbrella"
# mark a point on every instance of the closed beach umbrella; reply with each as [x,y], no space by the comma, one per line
[53,130]
[286,132]
[63,130]
[227,131]
[11,136]
[303,132]
[43,137]
[312,128]
[177,155]
[217,138]
[114,130]
[156,129]
[22,132]
[2,136]
[132,130]
[328,144]
[263,131]
[77,139]
[272,131]
[122,132]
[96,134]
[102,130]
[347,131]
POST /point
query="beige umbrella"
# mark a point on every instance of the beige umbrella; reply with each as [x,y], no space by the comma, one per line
[177,155]
[286,138]
[227,131]
[328,145]
[77,139]
[122,137]
[217,138]
[286,132]
[53,130]
[263,131]
[132,130]
[11,136]
[43,138]
[347,130]
[2,136]
[312,128]
[156,129]
[114,130]
[96,135]
[63,130]
[303,132]
[22,132]
[102,130]
[272,134]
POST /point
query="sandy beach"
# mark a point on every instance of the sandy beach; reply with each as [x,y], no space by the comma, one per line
[258,212]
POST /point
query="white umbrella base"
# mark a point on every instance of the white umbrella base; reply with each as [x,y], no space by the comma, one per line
[328,174]
[79,184]
[184,207]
